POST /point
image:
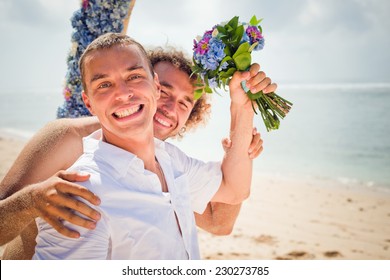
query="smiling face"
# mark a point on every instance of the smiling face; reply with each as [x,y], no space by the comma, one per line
[176,101]
[121,92]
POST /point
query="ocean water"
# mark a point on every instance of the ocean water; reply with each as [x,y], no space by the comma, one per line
[333,132]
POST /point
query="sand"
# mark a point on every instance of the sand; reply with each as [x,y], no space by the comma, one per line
[293,218]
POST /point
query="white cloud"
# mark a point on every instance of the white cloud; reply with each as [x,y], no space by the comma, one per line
[306,40]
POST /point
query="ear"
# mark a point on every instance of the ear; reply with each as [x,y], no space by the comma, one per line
[158,85]
[87,102]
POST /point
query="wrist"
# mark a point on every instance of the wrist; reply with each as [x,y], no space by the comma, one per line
[27,202]
[245,110]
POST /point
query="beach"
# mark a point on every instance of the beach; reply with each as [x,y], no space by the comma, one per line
[293,218]
[299,219]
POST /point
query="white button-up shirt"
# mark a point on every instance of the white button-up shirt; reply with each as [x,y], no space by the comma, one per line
[138,221]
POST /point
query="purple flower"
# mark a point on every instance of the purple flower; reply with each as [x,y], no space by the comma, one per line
[252,35]
[203,45]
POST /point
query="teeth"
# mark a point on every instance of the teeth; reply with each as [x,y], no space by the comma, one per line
[127,112]
[161,121]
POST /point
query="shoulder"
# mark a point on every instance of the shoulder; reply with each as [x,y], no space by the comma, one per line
[173,150]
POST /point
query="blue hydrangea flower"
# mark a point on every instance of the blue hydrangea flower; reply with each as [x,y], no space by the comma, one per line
[213,82]
[94,18]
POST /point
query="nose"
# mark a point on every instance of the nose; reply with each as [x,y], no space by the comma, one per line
[124,92]
[169,104]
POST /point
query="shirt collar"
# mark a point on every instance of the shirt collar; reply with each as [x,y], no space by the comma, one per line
[121,160]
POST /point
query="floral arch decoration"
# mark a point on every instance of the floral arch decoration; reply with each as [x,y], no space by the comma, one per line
[94,18]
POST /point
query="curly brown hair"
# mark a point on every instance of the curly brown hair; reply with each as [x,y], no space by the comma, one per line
[201,110]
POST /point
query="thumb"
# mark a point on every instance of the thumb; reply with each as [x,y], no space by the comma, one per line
[74,176]
[226,143]
[239,76]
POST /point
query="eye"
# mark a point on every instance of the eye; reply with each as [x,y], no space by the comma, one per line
[134,77]
[104,85]
[183,105]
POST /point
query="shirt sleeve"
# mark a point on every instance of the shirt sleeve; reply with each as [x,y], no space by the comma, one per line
[204,178]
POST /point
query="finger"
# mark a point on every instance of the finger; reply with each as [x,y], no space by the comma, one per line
[261,85]
[257,149]
[60,228]
[255,80]
[73,176]
[255,142]
[75,219]
[77,190]
[240,76]
[254,131]
[256,153]
[255,67]
[226,142]
[69,216]
[270,88]
[75,205]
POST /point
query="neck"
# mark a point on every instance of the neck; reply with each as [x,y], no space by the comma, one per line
[142,147]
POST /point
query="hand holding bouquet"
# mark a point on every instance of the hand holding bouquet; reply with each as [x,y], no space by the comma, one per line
[227,48]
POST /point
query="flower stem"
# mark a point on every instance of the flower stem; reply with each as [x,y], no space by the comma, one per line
[271,106]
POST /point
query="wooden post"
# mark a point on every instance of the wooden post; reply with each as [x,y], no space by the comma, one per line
[127,18]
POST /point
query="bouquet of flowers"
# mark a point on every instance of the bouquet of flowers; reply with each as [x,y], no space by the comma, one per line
[226,48]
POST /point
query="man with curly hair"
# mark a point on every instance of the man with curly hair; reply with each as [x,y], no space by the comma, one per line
[59,144]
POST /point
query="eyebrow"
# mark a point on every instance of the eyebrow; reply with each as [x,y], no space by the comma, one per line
[99,76]
[169,86]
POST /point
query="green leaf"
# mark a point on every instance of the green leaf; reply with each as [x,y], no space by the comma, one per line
[231,71]
[243,61]
[226,59]
[254,96]
[198,93]
[238,35]
[221,29]
[227,51]
[208,90]
[243,48]
[253,46]
[254,21]
[227,74]
[233,22]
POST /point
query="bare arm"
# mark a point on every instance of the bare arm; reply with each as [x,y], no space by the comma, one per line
[55,147]
[237,165]
[221,214]
[218,218]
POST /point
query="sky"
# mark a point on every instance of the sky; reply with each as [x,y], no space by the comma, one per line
[307,41]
